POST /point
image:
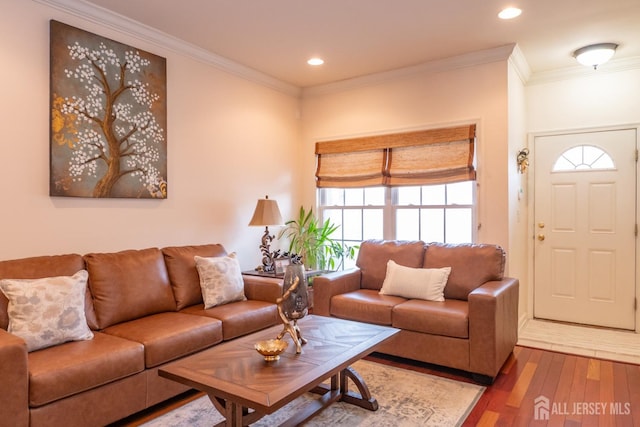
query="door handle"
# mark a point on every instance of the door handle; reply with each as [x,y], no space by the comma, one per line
[541,237]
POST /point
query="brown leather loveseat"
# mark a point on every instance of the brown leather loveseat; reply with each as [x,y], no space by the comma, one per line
[474,329]
[145,309]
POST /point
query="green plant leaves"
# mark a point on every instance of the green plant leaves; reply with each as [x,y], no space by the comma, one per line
[311,239]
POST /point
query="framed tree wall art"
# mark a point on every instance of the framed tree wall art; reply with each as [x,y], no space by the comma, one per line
[108,118]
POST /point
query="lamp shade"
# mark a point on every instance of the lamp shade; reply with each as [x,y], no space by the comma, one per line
[266,213]
[595,54]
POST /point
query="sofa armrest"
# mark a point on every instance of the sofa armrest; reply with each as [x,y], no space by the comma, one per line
[14,381]
[328,285]
[262,288]
[493,325]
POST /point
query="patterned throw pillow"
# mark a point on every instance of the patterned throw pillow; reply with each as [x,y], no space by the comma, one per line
[220,280]
[49,311]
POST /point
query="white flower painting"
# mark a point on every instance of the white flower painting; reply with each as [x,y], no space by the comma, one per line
[108,118]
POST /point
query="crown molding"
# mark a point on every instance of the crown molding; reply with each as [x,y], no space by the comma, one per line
[520,64]
[486,56]
[580,71]
[511,52]
[130,27]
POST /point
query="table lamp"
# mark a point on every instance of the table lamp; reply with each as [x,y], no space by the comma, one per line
[266,213]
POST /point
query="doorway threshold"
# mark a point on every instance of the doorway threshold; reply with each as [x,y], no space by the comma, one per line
[600,343]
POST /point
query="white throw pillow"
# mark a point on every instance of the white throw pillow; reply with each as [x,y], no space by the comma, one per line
[49,311]
[220,280]
[415,283]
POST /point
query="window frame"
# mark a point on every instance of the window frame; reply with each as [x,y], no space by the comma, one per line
[390,209]
[473,206]
[582,167]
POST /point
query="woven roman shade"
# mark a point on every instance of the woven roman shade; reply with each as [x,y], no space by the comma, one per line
[347,163]
[426,157]
[432,157]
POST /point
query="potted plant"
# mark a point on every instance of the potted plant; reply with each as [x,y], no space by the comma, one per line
[311,240]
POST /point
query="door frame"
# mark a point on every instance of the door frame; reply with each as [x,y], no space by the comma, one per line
[531,231]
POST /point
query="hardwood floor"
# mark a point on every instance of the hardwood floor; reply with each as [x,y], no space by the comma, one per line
[581,391]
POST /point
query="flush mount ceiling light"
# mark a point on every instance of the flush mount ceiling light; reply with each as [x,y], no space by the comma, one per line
[509,13]
[315,61]
[595,54]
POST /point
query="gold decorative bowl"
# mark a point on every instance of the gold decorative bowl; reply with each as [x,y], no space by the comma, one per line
[271,349]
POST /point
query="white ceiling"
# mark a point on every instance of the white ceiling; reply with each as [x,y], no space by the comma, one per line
[361,37]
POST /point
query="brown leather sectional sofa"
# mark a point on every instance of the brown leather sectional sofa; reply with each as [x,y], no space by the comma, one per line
[474,329]
[145,309]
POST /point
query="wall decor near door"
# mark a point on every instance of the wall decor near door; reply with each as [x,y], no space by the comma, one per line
[108,118]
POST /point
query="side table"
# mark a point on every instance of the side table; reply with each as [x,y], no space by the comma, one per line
[308,273]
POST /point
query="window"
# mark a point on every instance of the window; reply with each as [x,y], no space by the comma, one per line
[405,186]
[583,157]
[358,211]
[432,213]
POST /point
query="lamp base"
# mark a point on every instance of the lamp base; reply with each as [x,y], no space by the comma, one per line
[267,258]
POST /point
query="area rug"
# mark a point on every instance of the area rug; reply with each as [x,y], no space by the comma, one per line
[405,398]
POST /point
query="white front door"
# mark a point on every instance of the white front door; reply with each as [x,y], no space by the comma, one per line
[585,228]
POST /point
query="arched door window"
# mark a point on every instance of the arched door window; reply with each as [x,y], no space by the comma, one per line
[583,157]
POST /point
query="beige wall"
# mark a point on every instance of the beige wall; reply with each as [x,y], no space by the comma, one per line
[230,142]
[518,259]
[476,94]
[595,100]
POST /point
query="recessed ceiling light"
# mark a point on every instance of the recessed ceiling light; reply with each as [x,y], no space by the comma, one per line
[315,61]
[509,13]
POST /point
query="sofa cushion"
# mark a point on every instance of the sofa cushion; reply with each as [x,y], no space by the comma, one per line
[220,280]
[420,283]
[448,318]
[36,268]
[71,368]
[471,265]
[47,311]
[365,305]
[168,336]
[374,254]
[128,285]
[241,317]
[183,275]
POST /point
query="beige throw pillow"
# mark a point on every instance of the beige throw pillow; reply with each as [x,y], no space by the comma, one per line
[415,283]
[49,311]
[220,280]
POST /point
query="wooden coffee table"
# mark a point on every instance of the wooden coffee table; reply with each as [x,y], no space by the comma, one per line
[244,387]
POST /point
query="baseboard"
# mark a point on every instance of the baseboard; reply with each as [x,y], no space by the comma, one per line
[524,318]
